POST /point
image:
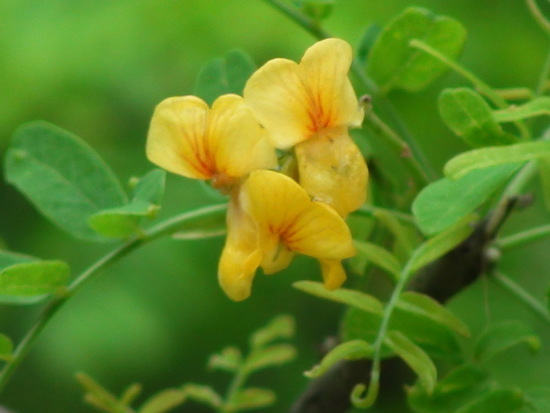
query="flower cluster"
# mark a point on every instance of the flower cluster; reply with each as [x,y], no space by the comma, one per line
[274,212]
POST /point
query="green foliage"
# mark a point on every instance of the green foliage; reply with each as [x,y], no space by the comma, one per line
[350,350]
[539,106]
[378,256]
[209,226]
[224,75]
[63,177]
[100,398]
[468,115]
[6,347]
[392,63]
[316,9]
[366,42]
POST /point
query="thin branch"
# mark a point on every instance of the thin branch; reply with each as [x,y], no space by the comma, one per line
[523,237]
[538,15]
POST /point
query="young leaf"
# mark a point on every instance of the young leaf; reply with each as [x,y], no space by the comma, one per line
[350,350]
[164,401]
[202,394]
[441,244]
[444,202]
[497,401]
[461,164]
[415,358]
[98,396]
[468,115]
[282,326]
[352,298]
[274,355]
[537,107]
[251,398]
[31,282]
[427,307]
[64,178]
[392,63]
[6,347]
[379,257]
[230,359]
[504,335]
[224,75]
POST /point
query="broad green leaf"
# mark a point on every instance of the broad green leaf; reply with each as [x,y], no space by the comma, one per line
[6,347]
[482,158]
[366,42]
[224,75]
[426,306]
[64,178]
[274,355]
[31,282]
[230,359]
[415,358]
[379,257]
[468,115]
[537,107]
[444,202]
[544,172]
[501,336]
[164,401]
[251,398]
[392,63]
[497,401]
[8,258]
[352,298]
[442,243]
[213,225]
[350,350]
[316,9]
[282,326]
[202,394]
[456,389]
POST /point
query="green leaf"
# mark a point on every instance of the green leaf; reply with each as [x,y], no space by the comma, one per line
[468,115]
[251,398]
[64,178]
[6,347]
[31,282]
[150,188]
[497,401]
[352,298]
[427,307]
[282,326]
[442,243]
[402,234]
[367,41]
[274,355]
[316,9]
[230,359]
[203,394]
[213,225]
[538,400]
[8,258]
[457,388]
[537,107]
[350,350]
[224,75]
[379,257]
[164,401]
[394,64]
[444,202]
[462,164]
[415,358]
[97,396]
[544,173]
[501,336]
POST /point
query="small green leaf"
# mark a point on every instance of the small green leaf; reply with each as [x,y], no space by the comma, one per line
[97,396]
[379,257]
[392,63]
[150,188]
[544,173]
[316,9]
[6,347]
[537,107]
[224,75]
[282,326]
[444,202]
[442,243]
[497,401]
[427,307]
[352,298]
[213,225]
[415,358]
[501,336]
[251,398]
[164,401]
[274,355]
[457,388]
[350,350]
[63,177]
[8,258]
[31,282]
[230,359]
[468,115]
[482,158]
[130,394]
[202,394]
[367,41]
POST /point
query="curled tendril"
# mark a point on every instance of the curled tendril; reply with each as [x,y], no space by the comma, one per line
[364,402]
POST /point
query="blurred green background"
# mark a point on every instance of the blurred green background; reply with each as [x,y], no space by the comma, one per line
[98,68]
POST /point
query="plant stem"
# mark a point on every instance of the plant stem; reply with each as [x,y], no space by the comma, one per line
[538,15]
[301,19]
[523,237]
[163,228]
[370,210]
[518,292]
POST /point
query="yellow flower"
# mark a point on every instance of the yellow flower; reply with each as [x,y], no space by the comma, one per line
[223,143]
[310,105]
[270,220]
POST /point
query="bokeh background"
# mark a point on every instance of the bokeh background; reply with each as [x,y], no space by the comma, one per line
[98,68]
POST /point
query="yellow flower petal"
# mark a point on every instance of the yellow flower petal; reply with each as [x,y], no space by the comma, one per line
[277,258]
[175,140]
[241,254]
[332,170]
[333,272]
